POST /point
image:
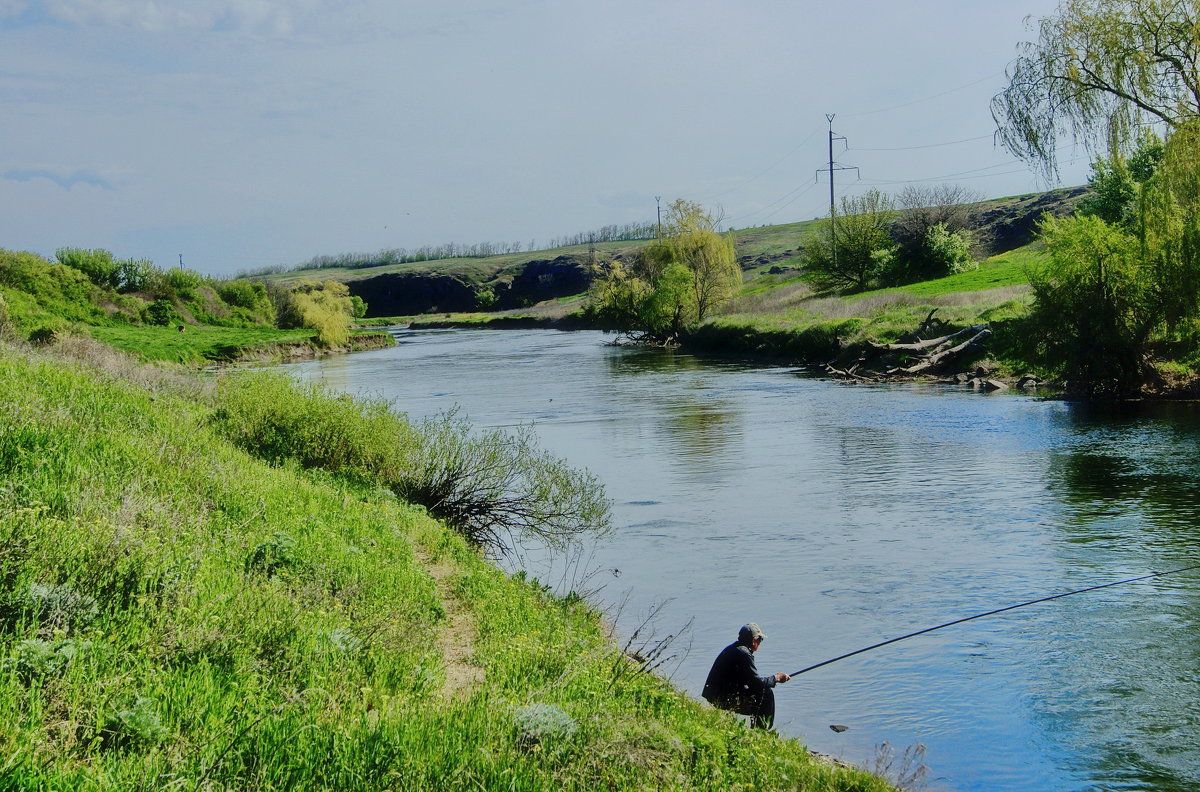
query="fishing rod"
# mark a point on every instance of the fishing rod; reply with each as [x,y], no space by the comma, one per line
[991,613]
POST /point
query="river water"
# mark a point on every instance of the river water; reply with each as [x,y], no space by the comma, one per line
[838,516]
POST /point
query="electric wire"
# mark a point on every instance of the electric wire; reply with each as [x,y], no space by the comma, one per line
[992,613]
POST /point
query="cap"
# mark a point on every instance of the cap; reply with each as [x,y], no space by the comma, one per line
[750,631]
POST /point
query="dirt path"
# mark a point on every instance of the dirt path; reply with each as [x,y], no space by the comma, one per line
[456,641]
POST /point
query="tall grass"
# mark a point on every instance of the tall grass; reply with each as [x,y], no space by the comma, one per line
[176,612]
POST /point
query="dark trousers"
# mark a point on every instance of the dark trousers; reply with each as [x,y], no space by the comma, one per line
[760,707]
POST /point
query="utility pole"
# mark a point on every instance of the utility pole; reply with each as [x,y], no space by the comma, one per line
[658,203]
[832,206]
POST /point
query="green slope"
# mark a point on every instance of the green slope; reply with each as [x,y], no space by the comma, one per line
[177,613]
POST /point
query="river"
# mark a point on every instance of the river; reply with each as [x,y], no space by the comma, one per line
[838,516]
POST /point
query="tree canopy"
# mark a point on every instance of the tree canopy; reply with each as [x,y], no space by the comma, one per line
[674,281]
[1099,71]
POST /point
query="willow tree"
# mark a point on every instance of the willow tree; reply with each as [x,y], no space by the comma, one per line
[1098,72]
[674,281]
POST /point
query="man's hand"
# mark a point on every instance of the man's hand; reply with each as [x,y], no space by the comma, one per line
[781,677]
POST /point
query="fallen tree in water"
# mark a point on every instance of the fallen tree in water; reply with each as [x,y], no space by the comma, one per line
[917,356]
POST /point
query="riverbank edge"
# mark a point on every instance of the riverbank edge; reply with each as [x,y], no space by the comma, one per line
[291,352]
[817,346]
[439,541]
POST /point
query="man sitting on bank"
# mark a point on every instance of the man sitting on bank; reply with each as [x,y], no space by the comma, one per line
[734,683]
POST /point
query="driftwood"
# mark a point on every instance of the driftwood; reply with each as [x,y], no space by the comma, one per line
[923,345]
[933,359]
[886,361]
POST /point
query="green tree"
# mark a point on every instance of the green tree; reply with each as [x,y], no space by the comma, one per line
[1098,71]
[324,306]
[675,281]
[1113,297]
[850,251]
[1116,182]
[97,264]
[921,209]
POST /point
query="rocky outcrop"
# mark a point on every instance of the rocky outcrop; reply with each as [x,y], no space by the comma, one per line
[411,293]
[408,293]
[543,279]
[1013,223]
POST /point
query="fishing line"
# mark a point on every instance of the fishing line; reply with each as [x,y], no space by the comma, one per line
[992,613]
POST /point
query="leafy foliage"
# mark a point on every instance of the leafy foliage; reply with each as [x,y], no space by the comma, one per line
[674,281]
[850,251]
[922,253]
[1098,69]
[1113,293]
[499,489]
[324,306]
[1116,183]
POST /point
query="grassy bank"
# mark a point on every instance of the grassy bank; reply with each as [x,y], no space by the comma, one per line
[779,317]
[182,607]
[200,344]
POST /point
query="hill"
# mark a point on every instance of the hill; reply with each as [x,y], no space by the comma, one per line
[519,281]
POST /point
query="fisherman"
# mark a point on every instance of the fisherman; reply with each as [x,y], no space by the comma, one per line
[734,683]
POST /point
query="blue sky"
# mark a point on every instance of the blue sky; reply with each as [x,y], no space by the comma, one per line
[252,133]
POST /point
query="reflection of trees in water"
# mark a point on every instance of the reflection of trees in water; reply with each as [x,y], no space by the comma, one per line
[702,431]
[1137,464]
[697,426]
[1129,483]
[636,361]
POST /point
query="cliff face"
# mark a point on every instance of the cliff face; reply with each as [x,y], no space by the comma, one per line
[401,294]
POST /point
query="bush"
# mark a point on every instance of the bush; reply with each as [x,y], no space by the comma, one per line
[325,307]
[37,659]
[851,255]
[271,557]
[134,726]
[60,607]
[498,488]
[97,265]
[162,312]
[495,488]
[541,723]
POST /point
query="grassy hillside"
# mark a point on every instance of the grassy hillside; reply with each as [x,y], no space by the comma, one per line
[222,321]
[176,612]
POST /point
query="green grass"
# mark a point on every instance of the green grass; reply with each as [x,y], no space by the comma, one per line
[197,344]
[178,612]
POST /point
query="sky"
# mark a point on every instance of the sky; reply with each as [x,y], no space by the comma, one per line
[240,134]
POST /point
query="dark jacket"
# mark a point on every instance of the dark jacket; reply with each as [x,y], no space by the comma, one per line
[733,681]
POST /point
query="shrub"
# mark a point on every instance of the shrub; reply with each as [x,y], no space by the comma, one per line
[273,556]
[162,312]
[60,607]
[497,488]
[322,306]
[36,659]
[542,723]
[137,725]
[97,265]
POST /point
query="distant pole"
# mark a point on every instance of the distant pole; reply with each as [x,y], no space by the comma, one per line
[832,210]
[833,166]
[829,117]
[658,203]
[180,261]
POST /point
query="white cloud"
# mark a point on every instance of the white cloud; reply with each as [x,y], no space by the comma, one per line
[271,17]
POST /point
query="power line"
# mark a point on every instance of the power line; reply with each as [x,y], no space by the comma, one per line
[930,145]
[925,99]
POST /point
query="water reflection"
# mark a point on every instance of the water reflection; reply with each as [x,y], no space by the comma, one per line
[1127,478]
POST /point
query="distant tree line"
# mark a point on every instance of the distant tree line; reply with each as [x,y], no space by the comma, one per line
[609,233]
